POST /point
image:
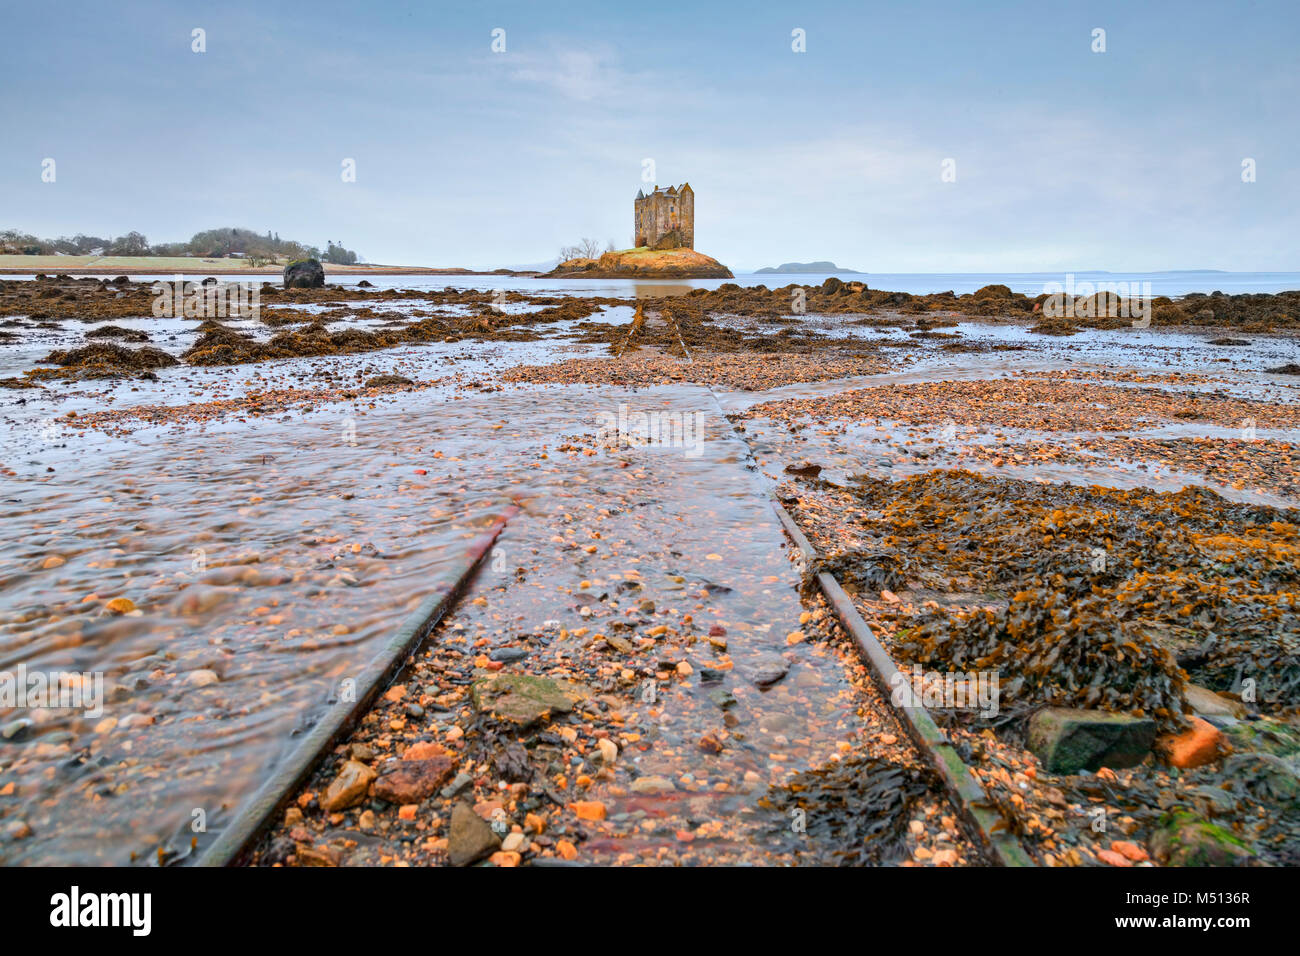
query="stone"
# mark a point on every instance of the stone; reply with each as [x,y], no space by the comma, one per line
[461,781]
[304,274]
[723,698]
[608,750]
[1209,704]
[16,729]
[1266,776]
[202,678]
[1130,851]
[315,856]
[1184,840]
[469,839]
[651,785]
[508,655]
[514,843]
[1202,743]
[348,788]
[524,699]
[769,671]
[423,750]
[410,781]
[17,830]
[592,810]
[1277,737]
[1068,740]
[382,381]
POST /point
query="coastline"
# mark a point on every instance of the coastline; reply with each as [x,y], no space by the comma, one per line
[114,266]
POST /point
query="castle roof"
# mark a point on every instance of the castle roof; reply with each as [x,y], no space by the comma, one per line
[640,194]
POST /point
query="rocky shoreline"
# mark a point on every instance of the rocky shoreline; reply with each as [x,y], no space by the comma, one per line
[644,264]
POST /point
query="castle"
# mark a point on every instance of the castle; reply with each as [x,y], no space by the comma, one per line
[665,219]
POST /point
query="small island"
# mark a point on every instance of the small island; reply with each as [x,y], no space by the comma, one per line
[805,269]
[645,264]
[664,228]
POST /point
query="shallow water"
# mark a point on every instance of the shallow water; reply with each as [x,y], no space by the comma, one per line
[278,552]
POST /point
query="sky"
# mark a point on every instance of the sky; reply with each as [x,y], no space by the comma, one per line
[1061,157]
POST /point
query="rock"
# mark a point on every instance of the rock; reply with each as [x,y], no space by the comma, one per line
[724,699]
[1277,737]
[1130,851]
[524,699]
[1113,858]
[1067,740]
[470,839]
[588,810]
[608,750]
[202,678]
[461,781]
[422,750]
[380,381]
[315,856]
[620,644]
[304,274]
[652,785]
[1184,840]
[17,830]
[1201,744]
[16,729]
[513,843]
[770,670]
[1266,777]
[410,781]
[1209,704]
[508,655]
[348,788]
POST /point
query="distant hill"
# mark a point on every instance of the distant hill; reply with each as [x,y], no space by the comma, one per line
[804,268]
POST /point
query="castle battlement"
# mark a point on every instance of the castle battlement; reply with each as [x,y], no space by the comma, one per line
[665,219]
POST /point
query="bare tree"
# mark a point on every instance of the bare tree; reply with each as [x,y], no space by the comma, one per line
[585,249]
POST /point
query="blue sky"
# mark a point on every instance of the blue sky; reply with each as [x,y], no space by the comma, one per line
[1128,160]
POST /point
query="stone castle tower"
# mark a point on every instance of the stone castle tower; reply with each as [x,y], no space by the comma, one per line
[665,219]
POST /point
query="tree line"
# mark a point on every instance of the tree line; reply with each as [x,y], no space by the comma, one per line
[209,244]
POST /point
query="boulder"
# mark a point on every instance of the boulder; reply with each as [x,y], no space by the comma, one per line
[1185,840]
[525,699]
[1067,740]
[410,781]
[1202,743]
[470,839]
[304,274]
[1266,777]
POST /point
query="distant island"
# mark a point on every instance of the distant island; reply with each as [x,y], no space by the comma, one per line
[804,268]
